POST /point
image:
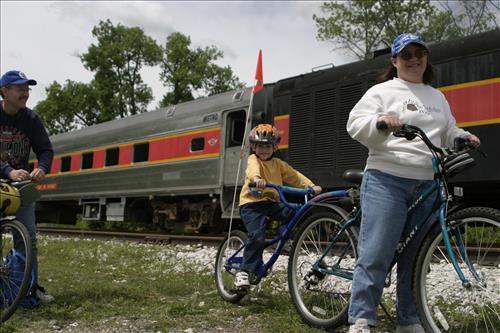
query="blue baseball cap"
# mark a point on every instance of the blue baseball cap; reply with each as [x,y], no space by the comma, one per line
[403,40]
[16,78]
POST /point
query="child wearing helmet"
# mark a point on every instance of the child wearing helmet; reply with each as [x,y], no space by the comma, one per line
[256,208]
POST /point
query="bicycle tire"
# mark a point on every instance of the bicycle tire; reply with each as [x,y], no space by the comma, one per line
[443,303]
[12,291]
[224,278]
[321,300]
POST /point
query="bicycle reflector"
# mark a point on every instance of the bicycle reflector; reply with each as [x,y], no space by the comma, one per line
[455,164]
[10,200]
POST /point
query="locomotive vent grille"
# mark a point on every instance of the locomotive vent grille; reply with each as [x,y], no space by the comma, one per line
[323,148]
[301,130]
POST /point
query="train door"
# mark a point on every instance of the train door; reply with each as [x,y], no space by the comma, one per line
[234,131]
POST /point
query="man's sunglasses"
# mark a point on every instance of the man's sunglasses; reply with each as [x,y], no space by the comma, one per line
[407,55]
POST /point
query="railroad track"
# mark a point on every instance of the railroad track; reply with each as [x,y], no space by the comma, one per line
[150,238]
[492,258]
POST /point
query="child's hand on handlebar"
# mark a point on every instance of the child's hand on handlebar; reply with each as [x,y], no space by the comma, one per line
[259,182]
[317,189]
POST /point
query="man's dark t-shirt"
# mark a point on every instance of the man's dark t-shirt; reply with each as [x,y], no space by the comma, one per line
[18,135]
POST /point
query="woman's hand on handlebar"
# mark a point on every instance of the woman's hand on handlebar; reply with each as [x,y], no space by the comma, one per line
[392,123]
[473,139]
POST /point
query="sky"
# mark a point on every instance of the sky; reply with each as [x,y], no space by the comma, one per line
[44,38]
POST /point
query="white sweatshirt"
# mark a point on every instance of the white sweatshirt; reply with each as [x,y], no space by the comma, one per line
[415,104]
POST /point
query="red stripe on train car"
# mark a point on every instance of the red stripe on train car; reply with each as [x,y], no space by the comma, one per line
[125,155]
[160,149]
[76,162]
[475,101]
[282,123]
[98,161]
[56,165]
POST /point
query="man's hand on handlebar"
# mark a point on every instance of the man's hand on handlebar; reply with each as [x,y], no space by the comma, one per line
[19,175]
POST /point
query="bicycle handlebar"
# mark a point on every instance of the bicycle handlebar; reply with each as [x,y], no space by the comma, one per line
[409,132]
[282,190]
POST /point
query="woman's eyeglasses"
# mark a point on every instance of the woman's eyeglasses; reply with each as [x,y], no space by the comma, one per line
[407,55]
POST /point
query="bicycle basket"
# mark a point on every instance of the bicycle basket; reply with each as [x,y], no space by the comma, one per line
[455,164]
[10,199]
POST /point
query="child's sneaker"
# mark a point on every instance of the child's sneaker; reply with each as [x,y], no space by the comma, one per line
[242,281]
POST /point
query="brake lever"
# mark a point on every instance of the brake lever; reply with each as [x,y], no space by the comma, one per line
[405,134]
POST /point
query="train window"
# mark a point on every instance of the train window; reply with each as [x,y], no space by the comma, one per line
[141,152]
[237,131]
[236,128]
[65,163]
[87,160]
[112,156]
[197,144]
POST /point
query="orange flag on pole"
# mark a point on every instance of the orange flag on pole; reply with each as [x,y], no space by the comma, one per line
[259,77]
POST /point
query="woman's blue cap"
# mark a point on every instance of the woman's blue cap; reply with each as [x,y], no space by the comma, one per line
[403,40]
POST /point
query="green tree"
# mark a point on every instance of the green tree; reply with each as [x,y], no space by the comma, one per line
[462,18]
[188,72]
[117,59]
[362,26]
[69,107]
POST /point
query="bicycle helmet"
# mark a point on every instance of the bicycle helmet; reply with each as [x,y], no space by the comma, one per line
[10,199]
[265,133]
[455,164]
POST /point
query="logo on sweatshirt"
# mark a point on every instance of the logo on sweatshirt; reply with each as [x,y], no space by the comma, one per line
[414,106]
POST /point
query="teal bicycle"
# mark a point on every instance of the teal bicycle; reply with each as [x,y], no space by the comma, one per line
[456,277]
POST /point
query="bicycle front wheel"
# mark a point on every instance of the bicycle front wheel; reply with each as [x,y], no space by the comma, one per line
[225,270]
[14,280]
[322,300]
[444,304]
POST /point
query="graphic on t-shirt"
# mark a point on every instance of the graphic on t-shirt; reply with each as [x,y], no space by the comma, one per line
[14,146]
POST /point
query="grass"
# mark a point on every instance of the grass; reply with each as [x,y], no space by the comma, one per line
[127,287]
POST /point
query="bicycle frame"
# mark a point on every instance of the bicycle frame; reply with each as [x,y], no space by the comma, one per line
[439,207]
[284,231]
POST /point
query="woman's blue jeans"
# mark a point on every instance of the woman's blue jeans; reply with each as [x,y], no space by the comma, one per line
[26,215]
[385,200]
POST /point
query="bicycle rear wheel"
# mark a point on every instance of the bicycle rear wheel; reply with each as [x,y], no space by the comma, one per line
[224,271]
[13,284]
[443,303]
[322,300]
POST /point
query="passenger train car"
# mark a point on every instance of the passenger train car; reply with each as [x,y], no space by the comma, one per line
[177,166]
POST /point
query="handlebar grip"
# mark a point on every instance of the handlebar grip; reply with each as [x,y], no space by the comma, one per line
[381,125]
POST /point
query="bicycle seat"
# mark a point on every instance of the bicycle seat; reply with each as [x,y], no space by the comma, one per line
[353,176]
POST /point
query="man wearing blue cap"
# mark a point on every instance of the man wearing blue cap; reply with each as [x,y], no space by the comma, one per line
[21,130]
[396,174]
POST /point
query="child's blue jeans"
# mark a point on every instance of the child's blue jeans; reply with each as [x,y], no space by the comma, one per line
[255,216]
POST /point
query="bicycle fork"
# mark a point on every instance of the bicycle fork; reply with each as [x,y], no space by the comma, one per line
[446,231]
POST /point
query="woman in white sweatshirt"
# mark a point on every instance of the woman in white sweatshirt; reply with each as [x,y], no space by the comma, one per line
[396,172]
